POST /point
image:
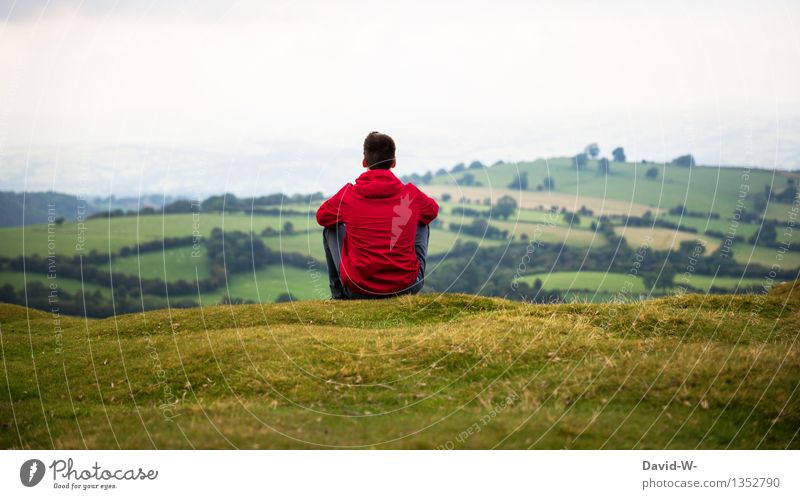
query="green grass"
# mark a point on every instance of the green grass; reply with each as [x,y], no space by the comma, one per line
[265,285]
[587,280]
[168,265]
[719,225]
[778,211]
[109,235]
[709,372]
[607,285]
[765,256]
[702,189]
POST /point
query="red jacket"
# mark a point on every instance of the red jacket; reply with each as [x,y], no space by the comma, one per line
[380,214]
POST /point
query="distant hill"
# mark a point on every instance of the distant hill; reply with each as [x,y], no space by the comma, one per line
[38,206]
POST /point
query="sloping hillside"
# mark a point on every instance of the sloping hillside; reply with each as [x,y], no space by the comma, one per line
[435,371]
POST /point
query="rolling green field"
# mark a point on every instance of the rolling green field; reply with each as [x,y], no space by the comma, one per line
[625,192]
[702,188]
[110,234]
[608,284]
[265,285]
[435,371]
[661,238]
[170,264]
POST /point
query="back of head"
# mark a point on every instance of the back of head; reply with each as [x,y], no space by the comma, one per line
[379,151]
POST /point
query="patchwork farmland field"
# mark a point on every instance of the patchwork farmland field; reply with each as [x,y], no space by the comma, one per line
[570,230]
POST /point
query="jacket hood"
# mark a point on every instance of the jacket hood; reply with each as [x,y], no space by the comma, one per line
[378,184]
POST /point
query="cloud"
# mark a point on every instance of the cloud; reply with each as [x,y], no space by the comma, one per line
[453,80]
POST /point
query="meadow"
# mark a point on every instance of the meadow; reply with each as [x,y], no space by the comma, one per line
[422,372]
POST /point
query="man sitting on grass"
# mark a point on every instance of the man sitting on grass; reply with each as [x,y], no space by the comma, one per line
[376,231]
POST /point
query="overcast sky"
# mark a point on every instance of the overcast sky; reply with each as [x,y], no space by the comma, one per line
[295,85]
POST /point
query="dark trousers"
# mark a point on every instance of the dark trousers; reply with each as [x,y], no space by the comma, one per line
[332,239]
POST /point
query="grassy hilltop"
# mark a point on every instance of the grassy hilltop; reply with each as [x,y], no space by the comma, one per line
[431,371]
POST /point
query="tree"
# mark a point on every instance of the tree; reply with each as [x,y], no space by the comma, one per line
[285,297]
[440,172]
[288,228]
[667,278]
[690,246]
[520,182]
[505,207]
[653,280]
[768,234]
[580,161]
[458,168]
[686,160]
[603,167]
[467,179]
[446,197]
[572,218]
[618,154]
[651,172]
[592,150]
[59,221]
[476,165]
[549,183]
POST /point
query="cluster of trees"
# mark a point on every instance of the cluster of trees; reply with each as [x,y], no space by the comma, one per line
[279,212]
[505,207]
[418,179]
[467,180]
[686,160]
[490,271]
[470,212]
[768,235]
[647,220]
[90,304]
[480,227]
[287,230]
[520,183]
[786,196]
[227,202]
[682,210]
[157,245]
[235,251]
[230,202]
[592,151]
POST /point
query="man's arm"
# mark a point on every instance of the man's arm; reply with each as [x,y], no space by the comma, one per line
[429,210]
[329,214]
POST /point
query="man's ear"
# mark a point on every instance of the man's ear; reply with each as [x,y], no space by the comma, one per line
[364,162]
[394,163]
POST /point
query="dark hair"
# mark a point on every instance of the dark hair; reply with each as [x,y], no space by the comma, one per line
[379,151]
